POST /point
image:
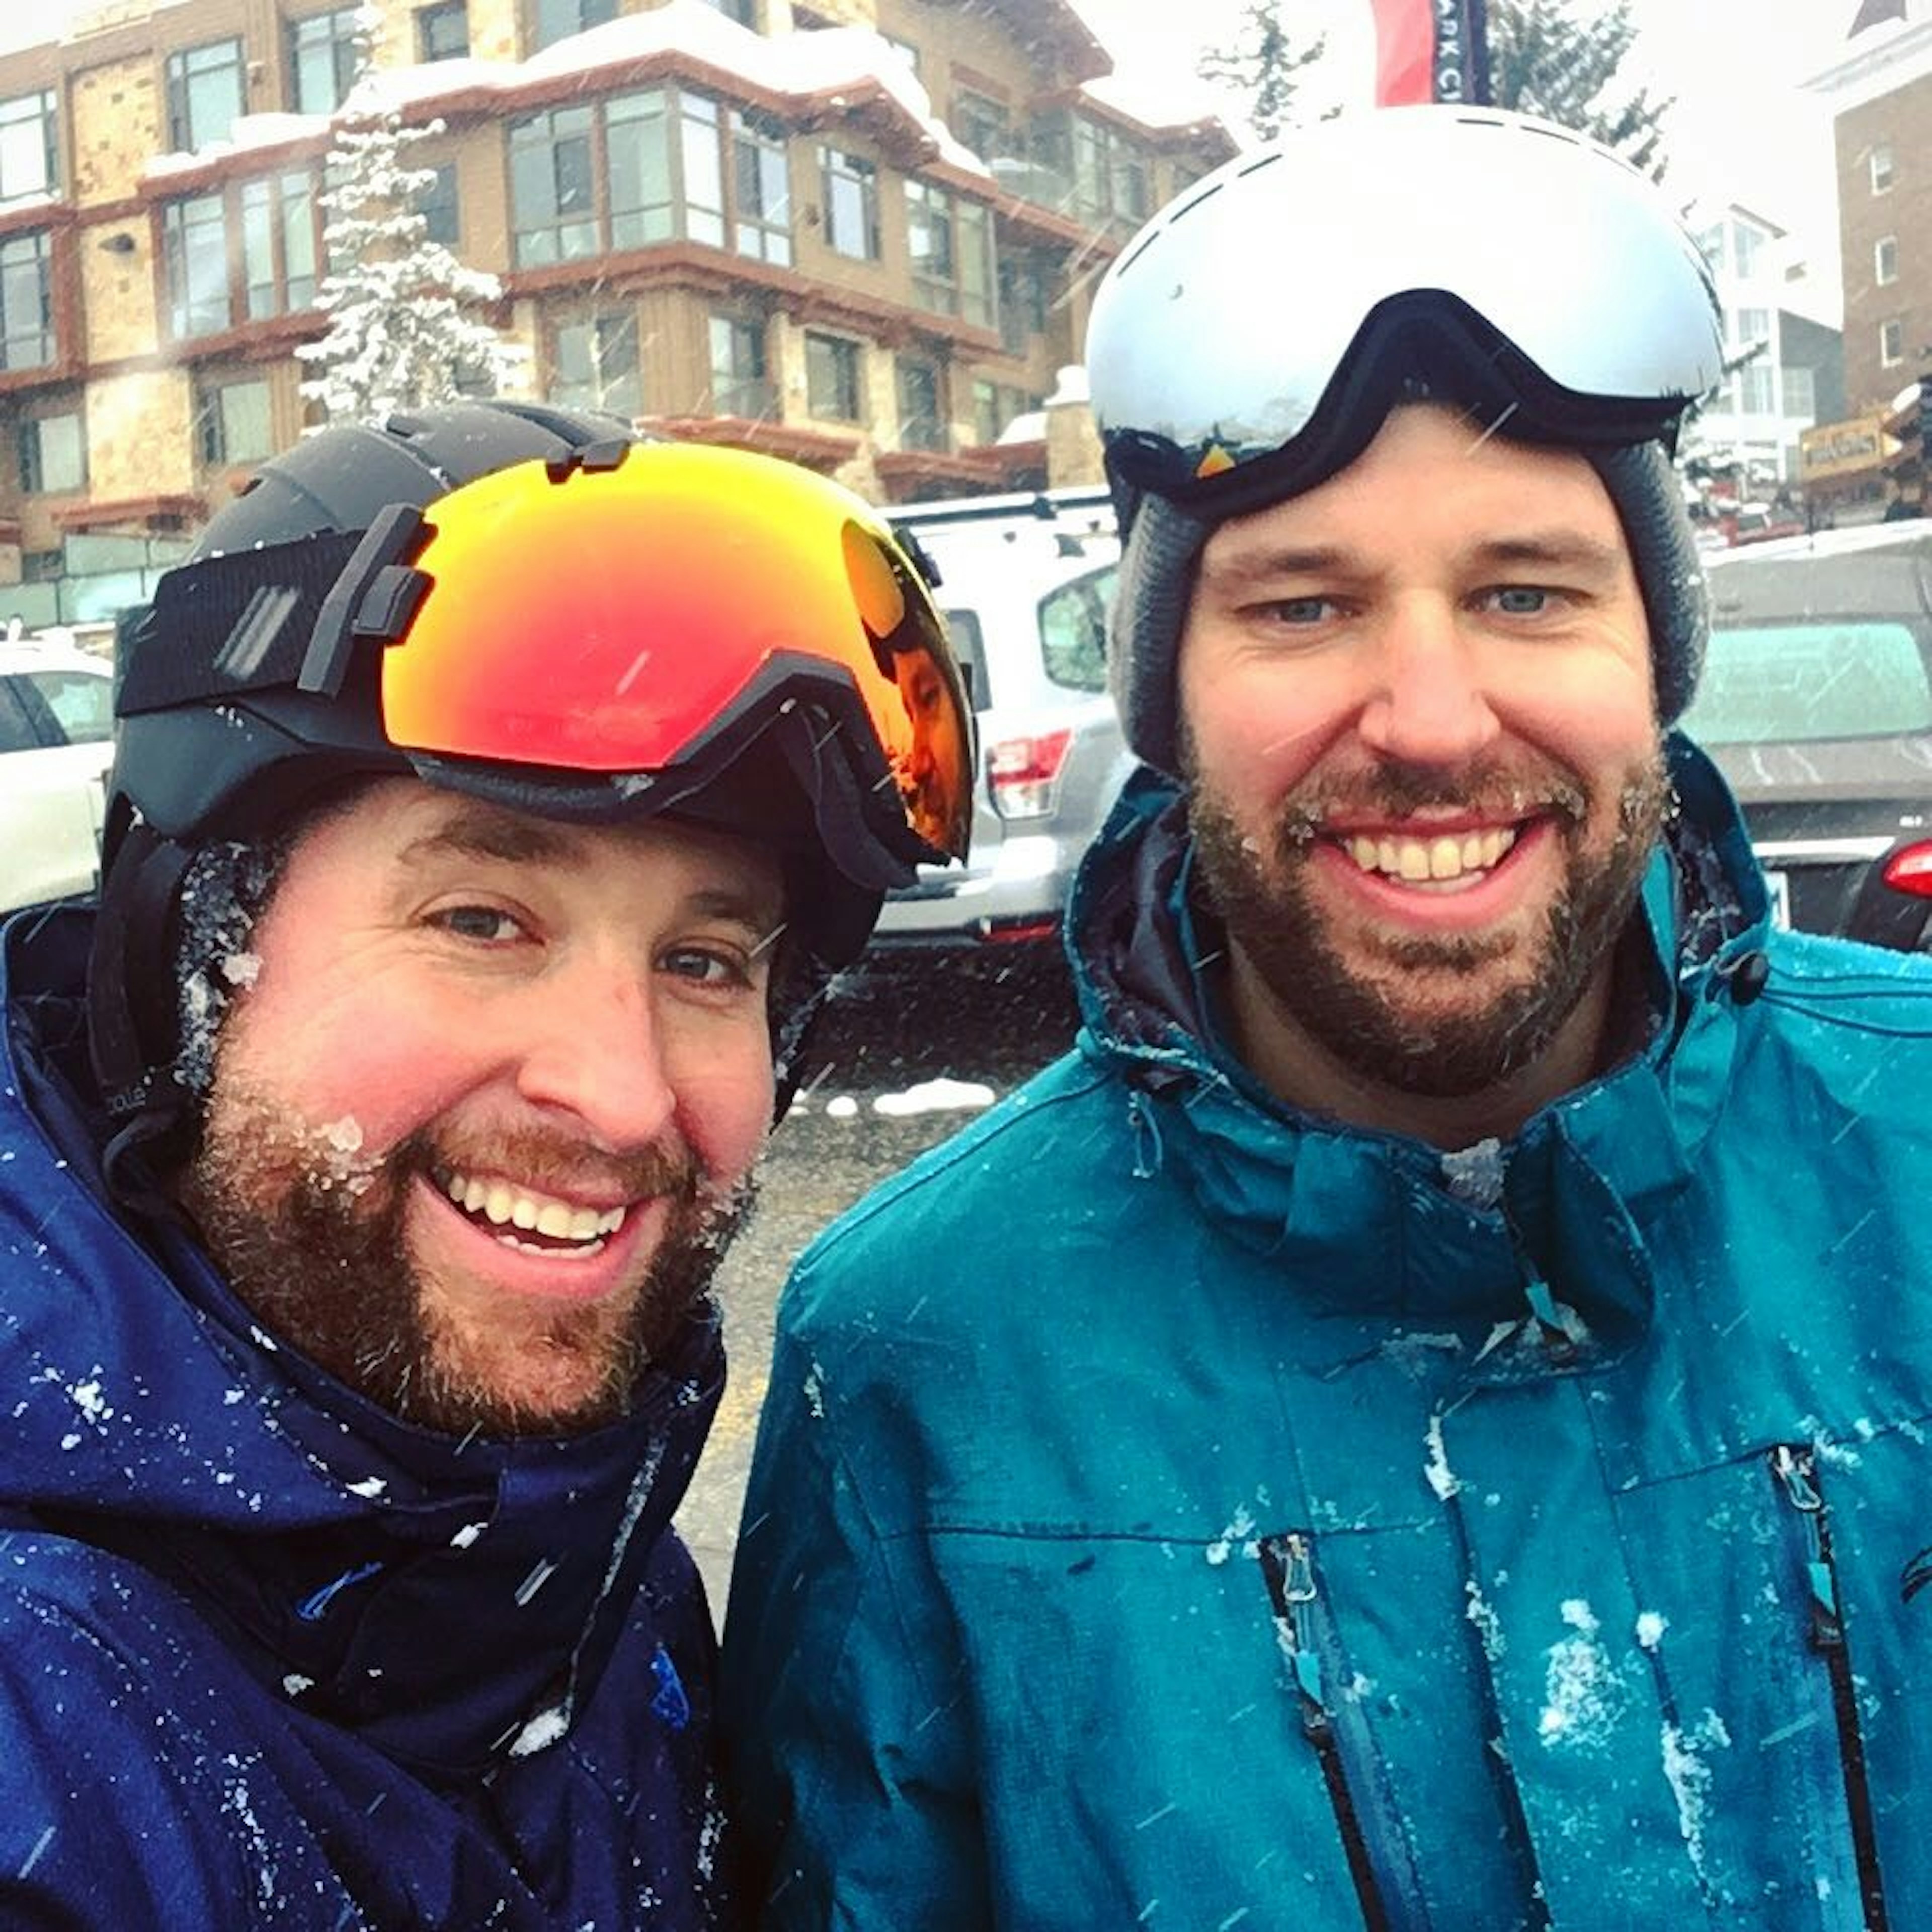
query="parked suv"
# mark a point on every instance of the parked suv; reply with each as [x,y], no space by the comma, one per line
[56,742]
[1024,582]
[1816,703]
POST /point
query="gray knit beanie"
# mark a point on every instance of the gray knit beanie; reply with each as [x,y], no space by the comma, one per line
[1164,544]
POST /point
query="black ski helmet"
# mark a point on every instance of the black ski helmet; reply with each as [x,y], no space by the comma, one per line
[535,606]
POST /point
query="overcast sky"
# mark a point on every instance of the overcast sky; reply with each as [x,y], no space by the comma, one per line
[1741,131]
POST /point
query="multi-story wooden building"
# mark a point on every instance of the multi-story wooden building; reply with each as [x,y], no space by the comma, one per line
[861,234]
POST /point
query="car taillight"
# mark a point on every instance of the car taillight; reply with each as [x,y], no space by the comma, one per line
[1910,870]
[1023,773]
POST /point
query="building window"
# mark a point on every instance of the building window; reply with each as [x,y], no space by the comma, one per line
[231,420]
[551,197]
[1023,301]
[922,425]
[558,20]
[1752,326]
[995,406]
[951,244]
[443,219]
[1755,388]
[51,451]
[205,90]
[323,59]
[29,149]
[760,188]
[442,31]
[240,254]
[984,126]
[596,364]
[849,189]
[739,386]
[1878,161]
[1748,244]
[643,168]
[26,302]
[1107,173]
[1800,395]
[832,376]
[1890,343]
[1885,260]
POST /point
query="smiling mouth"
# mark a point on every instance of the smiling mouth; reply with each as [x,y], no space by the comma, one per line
[1446,859]
[532,1223]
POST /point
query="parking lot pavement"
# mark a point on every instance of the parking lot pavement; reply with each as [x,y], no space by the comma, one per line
[901,1030]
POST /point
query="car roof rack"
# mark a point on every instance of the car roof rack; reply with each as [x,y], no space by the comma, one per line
[1046,505]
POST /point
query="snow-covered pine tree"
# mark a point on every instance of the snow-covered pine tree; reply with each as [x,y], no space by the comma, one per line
[1563,61]
[1264,64]
[407,320]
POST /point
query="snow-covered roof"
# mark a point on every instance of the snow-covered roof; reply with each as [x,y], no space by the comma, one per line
[820,64]
[815,65]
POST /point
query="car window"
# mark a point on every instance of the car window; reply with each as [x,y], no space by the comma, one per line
[1073,630]
[968,646]
[83,702]
[17,728]
[1798,682]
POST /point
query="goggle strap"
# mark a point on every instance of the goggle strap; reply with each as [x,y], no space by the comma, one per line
[262,604]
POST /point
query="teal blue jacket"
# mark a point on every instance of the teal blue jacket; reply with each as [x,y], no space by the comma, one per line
[1170,1510]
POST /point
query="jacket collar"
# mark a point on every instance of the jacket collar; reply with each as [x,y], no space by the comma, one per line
[1384,1223]
[447,1599]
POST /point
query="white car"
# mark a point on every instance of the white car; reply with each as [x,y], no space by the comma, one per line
[1024,585]
[56,743]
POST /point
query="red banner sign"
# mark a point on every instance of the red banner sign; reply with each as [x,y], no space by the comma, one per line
[1430,50]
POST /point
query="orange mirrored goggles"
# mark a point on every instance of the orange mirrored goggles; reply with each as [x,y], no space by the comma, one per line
[623,614]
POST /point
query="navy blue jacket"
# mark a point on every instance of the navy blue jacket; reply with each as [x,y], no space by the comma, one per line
[269,1657]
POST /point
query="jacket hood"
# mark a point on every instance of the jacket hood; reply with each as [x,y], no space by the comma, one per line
[358,1563]
[1542,1226]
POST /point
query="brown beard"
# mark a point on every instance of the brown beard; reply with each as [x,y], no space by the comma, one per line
[315,1246]
[1445,1051]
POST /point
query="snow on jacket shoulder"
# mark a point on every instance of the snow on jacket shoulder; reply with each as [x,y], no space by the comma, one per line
[269,1657]
[1169,1511]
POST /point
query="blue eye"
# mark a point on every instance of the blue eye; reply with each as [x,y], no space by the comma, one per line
[1302,609]
[1522,600]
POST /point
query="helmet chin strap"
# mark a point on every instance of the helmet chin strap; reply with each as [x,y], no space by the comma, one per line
[139,1089]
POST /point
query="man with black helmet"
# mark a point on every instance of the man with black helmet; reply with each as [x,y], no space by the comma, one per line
[493,794]
[1421,1421]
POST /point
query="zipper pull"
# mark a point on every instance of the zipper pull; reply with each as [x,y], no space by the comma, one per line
[1295,1588]
[1797,1472]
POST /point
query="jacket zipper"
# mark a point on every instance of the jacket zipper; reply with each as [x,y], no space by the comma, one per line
[1796,1470]
[1288,1565]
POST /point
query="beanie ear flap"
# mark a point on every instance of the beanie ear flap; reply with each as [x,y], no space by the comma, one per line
[1649,500]
[1149,611]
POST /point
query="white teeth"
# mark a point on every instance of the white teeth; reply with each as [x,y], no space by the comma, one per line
[505,1207]
[1422,861]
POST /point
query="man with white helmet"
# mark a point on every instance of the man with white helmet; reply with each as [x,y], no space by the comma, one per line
[493,792]
[1420,1420]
